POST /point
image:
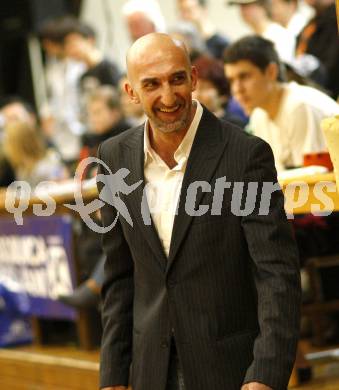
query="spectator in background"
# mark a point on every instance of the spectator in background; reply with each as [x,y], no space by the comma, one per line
[189,34]
[27,153]
[60,114]
[286,115]
[105,119]
[143,17]
[79,45]
[195,12]
[288,14]
[257,14]
[213,89]
[12,109]
[318,46]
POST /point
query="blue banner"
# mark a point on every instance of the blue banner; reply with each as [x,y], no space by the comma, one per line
[37,256]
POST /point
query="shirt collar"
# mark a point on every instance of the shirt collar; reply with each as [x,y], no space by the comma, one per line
[183,151]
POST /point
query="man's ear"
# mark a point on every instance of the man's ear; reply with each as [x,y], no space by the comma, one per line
[194,77]
[131,93]
[272,71]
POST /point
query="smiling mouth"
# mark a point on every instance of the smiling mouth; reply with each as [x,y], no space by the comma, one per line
[170,110]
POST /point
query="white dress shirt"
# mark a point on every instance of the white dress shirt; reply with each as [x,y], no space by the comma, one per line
[163,185]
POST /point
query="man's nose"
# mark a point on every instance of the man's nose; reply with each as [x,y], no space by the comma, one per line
[168,96]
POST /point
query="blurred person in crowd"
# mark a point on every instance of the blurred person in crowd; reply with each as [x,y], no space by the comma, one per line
[143,17]
[213,89]
[196,13]
[60,114]
[286,115]
[132,112]
[105,119]
[288,14]
[12,109]
[318,46]
[188,33]
[79,44]
[32,161]
[257,14]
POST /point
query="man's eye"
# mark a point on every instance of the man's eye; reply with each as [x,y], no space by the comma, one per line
[150,85]
[179,79]
[244,77]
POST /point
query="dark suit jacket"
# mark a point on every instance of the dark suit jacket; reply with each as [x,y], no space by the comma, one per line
[229,290]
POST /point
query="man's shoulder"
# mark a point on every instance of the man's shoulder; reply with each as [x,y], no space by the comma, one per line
[236,138]
[301,97]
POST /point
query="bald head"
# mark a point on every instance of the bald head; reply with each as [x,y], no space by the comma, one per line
[161,78]
[151,48]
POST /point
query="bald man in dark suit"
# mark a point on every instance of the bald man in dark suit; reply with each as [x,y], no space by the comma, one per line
[205,294]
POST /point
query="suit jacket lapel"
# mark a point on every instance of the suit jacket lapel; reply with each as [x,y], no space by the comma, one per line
[132,157]
[207,149]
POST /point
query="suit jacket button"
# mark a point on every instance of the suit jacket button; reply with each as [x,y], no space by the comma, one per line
[164,344]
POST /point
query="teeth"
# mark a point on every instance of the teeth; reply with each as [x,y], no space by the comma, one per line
[169,109]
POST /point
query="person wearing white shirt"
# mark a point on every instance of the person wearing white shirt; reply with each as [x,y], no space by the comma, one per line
[290,14]
[286,115]
[257,14]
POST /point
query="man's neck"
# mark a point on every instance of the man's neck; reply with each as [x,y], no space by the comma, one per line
[165,145]
[273,101]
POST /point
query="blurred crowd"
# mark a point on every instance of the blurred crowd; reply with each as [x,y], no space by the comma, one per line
[86,101]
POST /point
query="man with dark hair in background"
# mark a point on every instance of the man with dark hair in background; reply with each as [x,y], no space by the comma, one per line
[104,118]
[80,45]
[286,115]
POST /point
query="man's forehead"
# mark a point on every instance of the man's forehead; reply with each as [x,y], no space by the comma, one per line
[157,54]
[158,66]
[146,76]
[240,66]
[151,48]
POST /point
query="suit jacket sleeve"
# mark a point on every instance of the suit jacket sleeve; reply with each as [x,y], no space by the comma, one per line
[277,278]
[117,300]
